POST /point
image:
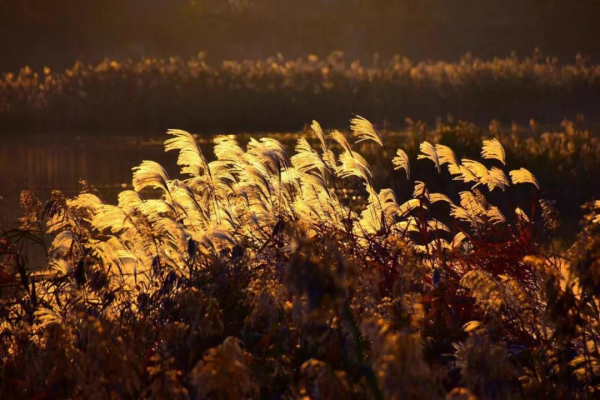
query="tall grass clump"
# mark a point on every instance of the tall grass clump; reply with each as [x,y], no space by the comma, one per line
[267,275]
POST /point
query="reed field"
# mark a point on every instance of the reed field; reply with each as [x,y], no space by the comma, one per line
[280,94]
[332,200]
[454,261]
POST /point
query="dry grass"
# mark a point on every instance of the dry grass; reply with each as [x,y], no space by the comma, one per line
[256,275]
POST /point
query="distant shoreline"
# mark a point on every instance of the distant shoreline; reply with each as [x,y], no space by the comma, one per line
[276,94]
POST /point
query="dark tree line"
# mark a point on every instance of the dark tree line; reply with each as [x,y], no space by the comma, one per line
[57,32]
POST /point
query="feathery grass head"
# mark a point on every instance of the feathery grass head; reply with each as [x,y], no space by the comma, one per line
[364,130]
[150,174]
[190,156]
[445,155]
[316,128]
[522,175]
[401,161]
[492,149]
[429,153]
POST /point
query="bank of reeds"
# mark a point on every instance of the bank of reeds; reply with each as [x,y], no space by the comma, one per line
[280,94]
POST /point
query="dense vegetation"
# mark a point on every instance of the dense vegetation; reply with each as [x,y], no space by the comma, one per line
[275,93]
[264,275]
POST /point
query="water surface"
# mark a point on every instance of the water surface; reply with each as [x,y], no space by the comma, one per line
[42,163]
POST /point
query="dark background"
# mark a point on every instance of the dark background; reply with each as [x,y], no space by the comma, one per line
[58,32]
